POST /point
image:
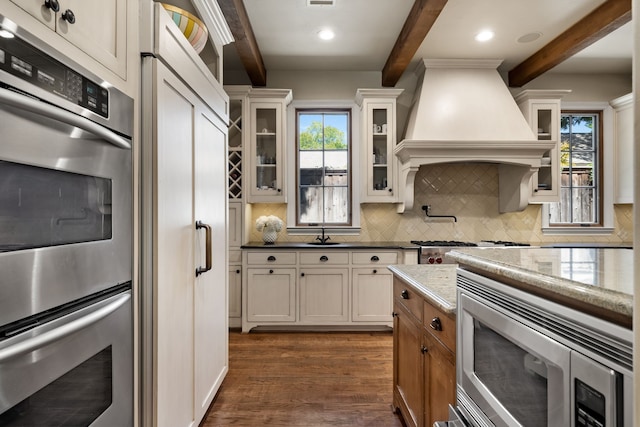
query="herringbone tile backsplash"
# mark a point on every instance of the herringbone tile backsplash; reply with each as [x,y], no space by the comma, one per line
[468,191]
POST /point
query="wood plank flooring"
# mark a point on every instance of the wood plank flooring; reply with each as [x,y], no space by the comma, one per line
[307,379]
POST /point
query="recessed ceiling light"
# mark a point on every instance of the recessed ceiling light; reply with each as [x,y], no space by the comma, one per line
[326,34]
[484,35]
[6,34]
[528,38]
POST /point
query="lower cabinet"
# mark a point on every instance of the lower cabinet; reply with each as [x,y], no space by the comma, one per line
[424,372]
[317,288]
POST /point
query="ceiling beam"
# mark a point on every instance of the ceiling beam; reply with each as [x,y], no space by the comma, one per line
[609,16]
[245,41]
[420,20]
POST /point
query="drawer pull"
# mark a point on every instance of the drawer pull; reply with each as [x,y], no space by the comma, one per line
[404,294]
[375,271]
[271,258]
[394,314]
[237,271]
[324,258]
[424,349]
[436,324]
[270,271]
[375,258]
[302,274]
[53,5]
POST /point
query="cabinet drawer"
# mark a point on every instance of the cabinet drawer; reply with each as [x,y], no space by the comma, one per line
[409,298]
[324,258]
[271,258]
[375,258]
[235,257]
[440,325]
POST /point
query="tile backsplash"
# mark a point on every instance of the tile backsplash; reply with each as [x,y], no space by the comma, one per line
[468,191]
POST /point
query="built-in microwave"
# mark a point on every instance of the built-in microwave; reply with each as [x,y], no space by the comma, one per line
[526,361]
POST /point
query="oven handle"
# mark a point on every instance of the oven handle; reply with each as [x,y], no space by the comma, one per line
[56,334]
[38,107]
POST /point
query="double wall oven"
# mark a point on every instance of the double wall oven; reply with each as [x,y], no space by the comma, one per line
[65,241]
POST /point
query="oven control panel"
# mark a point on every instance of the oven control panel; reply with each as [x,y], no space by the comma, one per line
[30,64]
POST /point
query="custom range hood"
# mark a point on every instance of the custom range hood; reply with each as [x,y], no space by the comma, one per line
[464,112]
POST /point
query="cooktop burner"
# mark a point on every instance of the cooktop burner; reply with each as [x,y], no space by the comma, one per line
[442,243]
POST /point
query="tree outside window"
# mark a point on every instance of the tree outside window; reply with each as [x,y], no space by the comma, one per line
[323,165]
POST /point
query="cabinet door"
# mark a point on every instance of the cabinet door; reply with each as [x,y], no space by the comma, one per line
[235,224]
[545,123]
[210,289]
[38,10]
[439,381]
[407,367]
[266,153]
[235,294]
[379,159]
[372,295]
[174,270]
[324,295]
[271,295]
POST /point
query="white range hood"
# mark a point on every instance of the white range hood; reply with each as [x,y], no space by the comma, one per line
[464,112]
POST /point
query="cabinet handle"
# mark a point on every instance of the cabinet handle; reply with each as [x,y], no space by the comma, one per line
[404,294]
[394,314]
[270,271]
[271,258]
[375,271]
[237,271]
[436,324]
[375,258]
[68,16]
[302,274]
[207,227]
[424,349]
[391,190]
[279,190]
[324,258]
[52,4]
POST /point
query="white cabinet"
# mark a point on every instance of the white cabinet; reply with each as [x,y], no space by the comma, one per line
[235,295]
[266,161]
[623,149]
[378,133]
[319,288]
[541,109]
[98,28]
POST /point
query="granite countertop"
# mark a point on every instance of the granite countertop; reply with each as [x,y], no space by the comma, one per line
[437,283]
[339,245]
[600,277]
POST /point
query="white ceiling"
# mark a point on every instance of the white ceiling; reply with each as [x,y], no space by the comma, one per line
[366,31]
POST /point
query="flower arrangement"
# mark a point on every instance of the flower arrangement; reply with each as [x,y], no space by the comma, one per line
[269,222]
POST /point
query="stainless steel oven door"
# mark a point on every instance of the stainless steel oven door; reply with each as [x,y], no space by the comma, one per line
[509,374]
[65,207]
[75,370]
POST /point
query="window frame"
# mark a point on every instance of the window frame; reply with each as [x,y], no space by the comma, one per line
[292,165]
[606,157]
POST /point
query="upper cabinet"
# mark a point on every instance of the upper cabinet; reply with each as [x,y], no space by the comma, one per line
[267,136]
[541,109]
[378,134]
[623,149]
[98,28]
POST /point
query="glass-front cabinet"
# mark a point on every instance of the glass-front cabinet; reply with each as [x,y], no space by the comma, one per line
[541,109]
[378,133]
[267,154]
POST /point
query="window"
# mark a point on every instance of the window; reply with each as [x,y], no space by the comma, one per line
[323,153]
[580,179]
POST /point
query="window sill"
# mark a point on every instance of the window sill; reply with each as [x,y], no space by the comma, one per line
[314,231]
[577,231]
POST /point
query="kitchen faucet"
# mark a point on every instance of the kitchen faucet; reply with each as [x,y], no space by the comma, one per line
[323,239]
[427,209]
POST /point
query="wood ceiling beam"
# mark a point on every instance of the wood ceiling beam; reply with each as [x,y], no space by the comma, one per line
[609,16]
[245,41]
[420,20]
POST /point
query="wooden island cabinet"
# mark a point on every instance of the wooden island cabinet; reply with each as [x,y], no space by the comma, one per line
[424,334]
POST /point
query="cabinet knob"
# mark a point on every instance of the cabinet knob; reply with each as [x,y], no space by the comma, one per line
[302,274]
[53,5]
[404,294]
[237,271]
[394,314]
[271,258]
[270,271]
[68,16]
[279,190]
[424,349]
[375,271]
[436,324]
[324,258]
[390,190]
[375,258]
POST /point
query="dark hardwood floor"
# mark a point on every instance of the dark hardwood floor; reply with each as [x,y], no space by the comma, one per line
[307,379]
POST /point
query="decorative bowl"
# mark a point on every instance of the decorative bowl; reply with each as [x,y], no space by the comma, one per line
[192,27]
